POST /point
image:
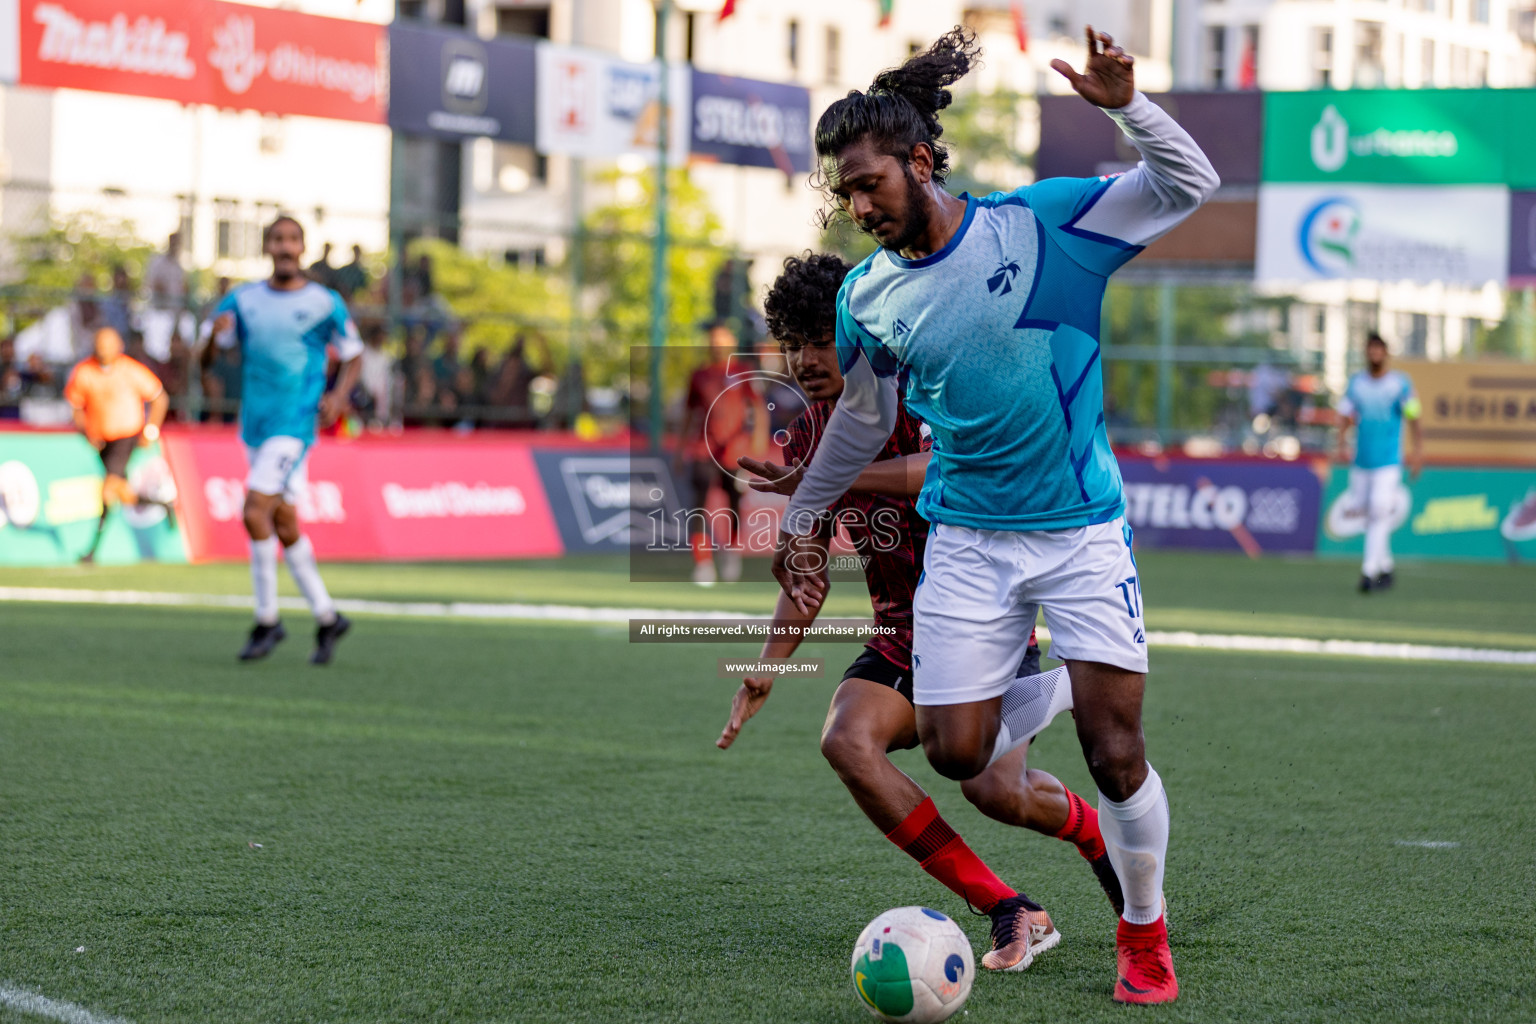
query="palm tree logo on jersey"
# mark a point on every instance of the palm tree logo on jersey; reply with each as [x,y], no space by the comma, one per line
[1002,278]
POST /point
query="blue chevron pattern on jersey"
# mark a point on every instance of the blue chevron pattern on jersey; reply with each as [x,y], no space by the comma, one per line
[1008,379]
[283,337]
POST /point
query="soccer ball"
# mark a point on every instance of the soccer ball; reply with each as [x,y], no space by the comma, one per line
[913,965]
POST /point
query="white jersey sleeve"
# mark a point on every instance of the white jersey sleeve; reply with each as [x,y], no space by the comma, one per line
[1172,179]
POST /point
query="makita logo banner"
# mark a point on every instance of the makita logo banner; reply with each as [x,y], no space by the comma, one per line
[228,55]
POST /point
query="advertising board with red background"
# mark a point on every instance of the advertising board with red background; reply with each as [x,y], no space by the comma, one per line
[207,51]
[397,498]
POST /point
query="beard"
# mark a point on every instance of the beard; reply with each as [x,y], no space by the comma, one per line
[917,218]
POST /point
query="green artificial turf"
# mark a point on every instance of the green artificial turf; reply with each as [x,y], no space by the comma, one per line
[473,821]
[1480,605]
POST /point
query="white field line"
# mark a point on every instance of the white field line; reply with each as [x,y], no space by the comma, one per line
[39,1005]
[580,613]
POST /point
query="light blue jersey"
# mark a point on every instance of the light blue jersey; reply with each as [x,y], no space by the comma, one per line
[1379,406]
[283,336]
[1002,361]
[995,340]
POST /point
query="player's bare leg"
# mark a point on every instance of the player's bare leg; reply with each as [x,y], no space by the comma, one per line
[115,491]
[1133,815]
[865,722]
[330,625]
[1015,794]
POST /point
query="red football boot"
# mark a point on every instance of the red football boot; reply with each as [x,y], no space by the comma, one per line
[1145,963]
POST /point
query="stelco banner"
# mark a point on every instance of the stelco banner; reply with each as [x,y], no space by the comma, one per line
[1401,136]
[750,123]
[1462,514]
[206,51]
[1254,507]
[1444,234]
[50,503]
[592,105]
[455,85]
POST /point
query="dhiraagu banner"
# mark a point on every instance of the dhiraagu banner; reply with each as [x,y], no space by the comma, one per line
[1451,513]
[50,502]
[1401,136]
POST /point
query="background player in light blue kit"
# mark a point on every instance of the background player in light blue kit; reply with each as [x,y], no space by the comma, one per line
[285,326]
[985,311]
[1376,403]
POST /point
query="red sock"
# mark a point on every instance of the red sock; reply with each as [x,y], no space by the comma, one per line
[939,850]
[1082,827]
[700,545]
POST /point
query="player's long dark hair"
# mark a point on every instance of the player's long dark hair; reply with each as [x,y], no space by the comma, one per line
[802,304]
[902,105]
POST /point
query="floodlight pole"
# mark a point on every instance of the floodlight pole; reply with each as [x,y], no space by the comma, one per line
[659,247]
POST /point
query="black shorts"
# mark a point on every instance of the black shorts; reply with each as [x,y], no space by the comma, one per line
[705,473]
[877,668]
[115,455]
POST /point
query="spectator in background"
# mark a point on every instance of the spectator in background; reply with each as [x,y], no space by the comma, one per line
[415,354]
[446,366]
[351,278]
[321,271]
[376,377]
[166,280]
[222,384]
[85,317]
[512,386]
[421,276]
[480,374]
[117,309]
[10,381]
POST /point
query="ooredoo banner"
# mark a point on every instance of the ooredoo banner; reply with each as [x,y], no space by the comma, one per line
[1255,507]
[1448,512]
[50,504]
[225,54]
[378,499]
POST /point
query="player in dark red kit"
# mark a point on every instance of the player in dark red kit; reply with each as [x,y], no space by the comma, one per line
[872,711]
[722,419]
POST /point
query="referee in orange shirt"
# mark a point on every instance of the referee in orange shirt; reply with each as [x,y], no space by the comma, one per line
[108,391]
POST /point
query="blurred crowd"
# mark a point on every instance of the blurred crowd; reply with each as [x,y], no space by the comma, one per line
[414,369]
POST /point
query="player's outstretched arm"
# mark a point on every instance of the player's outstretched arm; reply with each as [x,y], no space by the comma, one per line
[754,690]
[893,478]
[1174,176]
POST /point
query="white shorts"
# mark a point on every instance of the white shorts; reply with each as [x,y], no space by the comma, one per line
[975,607]
[1373,492]
[279,466]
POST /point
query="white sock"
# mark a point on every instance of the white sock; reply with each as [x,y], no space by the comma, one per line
[306,573]
[1028,706]
[264,579]
[1136,834]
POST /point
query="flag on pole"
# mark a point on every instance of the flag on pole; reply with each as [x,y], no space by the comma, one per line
[1248,67]
[885,12]
[1021,26]
[727,9]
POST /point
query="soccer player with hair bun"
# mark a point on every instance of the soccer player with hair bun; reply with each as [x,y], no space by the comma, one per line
[982,314]
[871,712]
